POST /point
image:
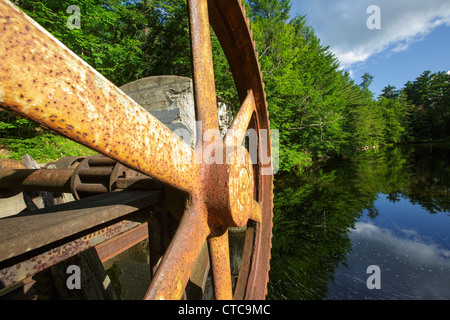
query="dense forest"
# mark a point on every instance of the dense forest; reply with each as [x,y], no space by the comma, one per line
[316,106]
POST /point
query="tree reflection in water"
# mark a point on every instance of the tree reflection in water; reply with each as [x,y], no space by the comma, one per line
[315,210]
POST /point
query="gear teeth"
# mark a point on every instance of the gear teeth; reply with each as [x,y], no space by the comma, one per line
[240,20]
[247,21]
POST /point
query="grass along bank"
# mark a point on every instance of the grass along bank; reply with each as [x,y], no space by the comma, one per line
[45,147]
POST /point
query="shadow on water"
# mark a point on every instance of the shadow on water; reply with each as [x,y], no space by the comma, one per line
[317,215]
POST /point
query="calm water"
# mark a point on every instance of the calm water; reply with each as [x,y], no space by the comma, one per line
[388,208]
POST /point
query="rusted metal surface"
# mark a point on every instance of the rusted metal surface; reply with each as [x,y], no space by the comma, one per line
[99,174]
[43,80]
[231,26]
[241,285]
[236,134]
[65,163]
[174,270]
[94,175]
[23,233]
[203,70]
[220,263]
[227,192]
[27,267]
[199,274]
[118,244]
[223,192]
[36,179]
[9,164]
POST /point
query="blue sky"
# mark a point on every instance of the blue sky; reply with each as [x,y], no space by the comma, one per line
[414,36]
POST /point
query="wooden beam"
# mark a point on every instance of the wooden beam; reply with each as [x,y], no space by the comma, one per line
[22,233]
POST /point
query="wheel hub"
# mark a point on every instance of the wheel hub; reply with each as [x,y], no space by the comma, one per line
[229,188]
[243,186]
[240,187]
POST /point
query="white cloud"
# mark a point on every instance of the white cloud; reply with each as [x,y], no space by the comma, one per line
[448,72]
[342,25]
[410,246]
[413,266]
[352,73]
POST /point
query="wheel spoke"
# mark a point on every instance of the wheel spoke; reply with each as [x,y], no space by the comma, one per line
[175,269]
[236,133]
[204,83]
[220,263]
[255,215]
[44,81]
[241,283]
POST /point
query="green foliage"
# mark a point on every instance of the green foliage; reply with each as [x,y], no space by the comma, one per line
[19,136]
[315,210]
[429,96]
[44,147]
[310,99]
[167,44]
[110,34]
[367,80]
[225,86]
[395,113]
[318,109]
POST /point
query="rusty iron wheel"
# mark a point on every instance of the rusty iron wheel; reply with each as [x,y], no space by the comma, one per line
[229,201]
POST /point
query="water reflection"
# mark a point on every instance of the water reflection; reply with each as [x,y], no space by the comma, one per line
[410,268]
[387,208]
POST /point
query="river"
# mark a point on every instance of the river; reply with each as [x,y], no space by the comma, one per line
[376,226]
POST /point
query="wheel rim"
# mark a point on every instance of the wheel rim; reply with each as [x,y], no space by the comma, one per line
[102,107]
[239,48]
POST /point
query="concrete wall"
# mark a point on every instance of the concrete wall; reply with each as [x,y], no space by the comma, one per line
[171,100]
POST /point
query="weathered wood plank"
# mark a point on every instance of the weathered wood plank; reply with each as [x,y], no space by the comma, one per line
[20,234]
[95,283]
[106,119]
[16,271]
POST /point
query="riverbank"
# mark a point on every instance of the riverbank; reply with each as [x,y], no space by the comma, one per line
[319,160]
